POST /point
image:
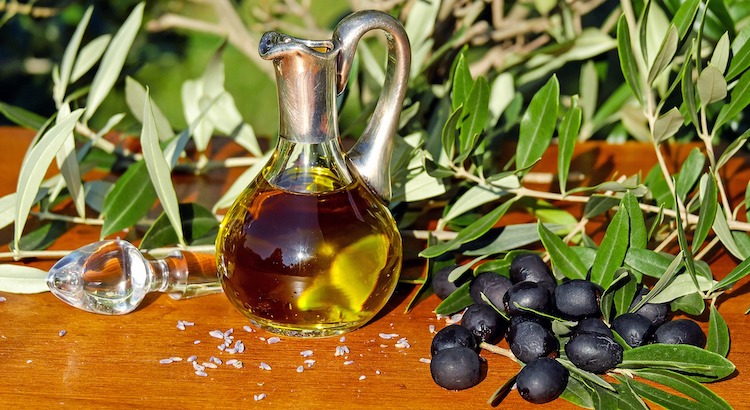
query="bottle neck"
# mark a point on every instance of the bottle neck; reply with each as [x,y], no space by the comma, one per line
[307,98]
[309,168]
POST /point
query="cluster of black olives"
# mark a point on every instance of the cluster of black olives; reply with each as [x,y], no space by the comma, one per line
[591,345]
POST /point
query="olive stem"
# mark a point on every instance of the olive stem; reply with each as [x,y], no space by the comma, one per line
[497,350]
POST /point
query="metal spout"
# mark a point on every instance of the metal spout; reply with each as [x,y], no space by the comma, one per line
[371,155]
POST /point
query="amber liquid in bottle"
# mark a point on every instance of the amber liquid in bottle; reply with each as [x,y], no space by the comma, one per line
[308,264]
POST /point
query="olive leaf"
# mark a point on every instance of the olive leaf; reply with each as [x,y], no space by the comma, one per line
[733,148]
[477,108]
[538,124]
[22,279]
[502,392]
[685,16]
[683,384]
[113,61]
[599,204]
[577,393]
[682,285]
[135,95]
[739,272]
[667,125]
[740,62]
[501,95]
[473,198]
[462,82]
[707,213]
[567,136]
[456,301]
[701,364]
[740,98]
[612,250]
[71,50]
[721,228]
[627,59]
[563,258]
[198,223]
[711,85]
[21,116]
[585,376]
[665,55]
[511,237]
[43,236]
[132,196]
[661,284]
[720,56]
[89,56]
[718,333]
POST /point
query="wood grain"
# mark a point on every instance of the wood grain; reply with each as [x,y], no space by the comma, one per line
[114,362]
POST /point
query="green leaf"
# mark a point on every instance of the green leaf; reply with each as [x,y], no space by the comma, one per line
[462,82]
[95,192]
[599,204]
[720,56]
[689,359]
[578,394]
[501,95]
[35,165]
[7,210]
[662,283]
[587,377]
[113,61]
[67,162]
[624,295]
[459,271]
[135,96]
[684,17]
[627,59]
[131,198]
[718,333]
[662,397]
[449,132]
[686,386]
[562,256]
[502,392]
[707,213]
[197,222]
[667,125]
[473,198]
[66,66]
[740,62]
[477,108]
[691,304]
[732,149]
[241,183]
[690,171]
[456,301]
[511,237]
[612,250]
[89,56]
[647,262]
[638,233]
[471,232]
[688,89]
[665,55]
[721,228]
[538,124]
[712,86]
[567,136]
[605,399]
[21,116]
[158,169]
[737,104]
[43,237]
[682,285]
[739,272]
[22,279]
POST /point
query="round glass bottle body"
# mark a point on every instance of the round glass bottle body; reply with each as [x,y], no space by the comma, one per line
[307,249]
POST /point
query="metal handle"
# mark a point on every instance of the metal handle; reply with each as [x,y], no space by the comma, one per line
[371,155]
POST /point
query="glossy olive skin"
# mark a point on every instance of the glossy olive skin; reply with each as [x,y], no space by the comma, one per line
[492,285]
[441,286]
[529,267]
[485,323]
[657,313]
[453,336]
[681,331]
[578,299]
[594,325]
[530,340]
[593,352]
[542,380]
[635,329]
[530,295]
[457,368]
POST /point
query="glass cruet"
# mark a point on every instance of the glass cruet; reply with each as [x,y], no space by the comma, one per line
[310,248]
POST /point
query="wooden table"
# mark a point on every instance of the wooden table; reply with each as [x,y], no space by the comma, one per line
[113,362]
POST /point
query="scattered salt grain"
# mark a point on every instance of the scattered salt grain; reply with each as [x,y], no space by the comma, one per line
[432,328]
[176,359]
[454,319]
[309,363]
[388,336]
[403,343]
[210,365]
[218,334]
[198,367]
[341,351]
[231,362]
[228,332]
[300,369]
[424,360]
[186,323]
[272,340]
[237,364]
[196,342]
[262,339]
[342,339]
[348,362]
[2,299]
[362,377]
[264,366]
[201,373]
[259,397]
[62,333]
[248,329]
[377,371]
[29,361]
[165,361]
[180,325]
[192,358]
[215,360]
[306,353]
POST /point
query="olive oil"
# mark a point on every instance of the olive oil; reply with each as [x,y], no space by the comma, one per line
[318,259]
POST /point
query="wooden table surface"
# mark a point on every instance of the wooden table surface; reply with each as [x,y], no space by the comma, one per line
[114,361]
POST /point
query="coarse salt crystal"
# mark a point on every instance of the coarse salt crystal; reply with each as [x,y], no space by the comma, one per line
[272,340]
[210,365]
[259,397]
[198,367]
[341,351]
[29,361]
[300,369]
[248,329]
[424,360]
[186,323]
[237,364]
[201,373]
[218,334]
[348,362]
[195,342]
[62,333]
[192,358]
[306,353]
[454,319]
[165,361]
[432,328]
[342,339]
[215,360]
[309,362]
[176,359]
[180,325]
[2,299]
[230,362]
[264,366]
[262,339]
[377,371]
[403,343]
[388,336]
[362,377]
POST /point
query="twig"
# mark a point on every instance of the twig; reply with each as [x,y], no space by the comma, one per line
[14,7]
[497,350]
